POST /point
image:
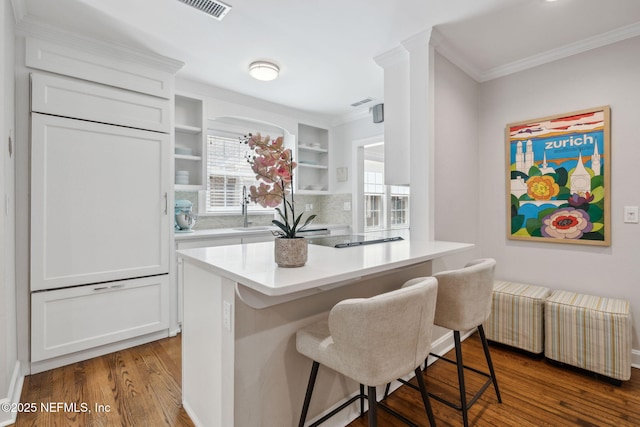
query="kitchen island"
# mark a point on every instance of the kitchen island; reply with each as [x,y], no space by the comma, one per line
[240,365]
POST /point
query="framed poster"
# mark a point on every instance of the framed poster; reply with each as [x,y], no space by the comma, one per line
[558,178]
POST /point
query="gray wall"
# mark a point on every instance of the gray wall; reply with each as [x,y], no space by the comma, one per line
[603,76]
[456,198]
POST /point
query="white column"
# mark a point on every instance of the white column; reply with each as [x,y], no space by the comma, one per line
[396,116]
[421,132]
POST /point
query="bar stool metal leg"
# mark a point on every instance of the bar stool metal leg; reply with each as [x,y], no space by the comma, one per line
[373,406]
[485,346]
[425,397]
[460,365]
[307,396]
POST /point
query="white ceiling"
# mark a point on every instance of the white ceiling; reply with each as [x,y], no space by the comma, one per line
[325,49]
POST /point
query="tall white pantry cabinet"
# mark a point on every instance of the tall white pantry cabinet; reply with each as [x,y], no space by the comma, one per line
[101,204]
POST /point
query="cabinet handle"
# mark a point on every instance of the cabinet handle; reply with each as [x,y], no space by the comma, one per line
[101,288]
[116,286]
[166,203]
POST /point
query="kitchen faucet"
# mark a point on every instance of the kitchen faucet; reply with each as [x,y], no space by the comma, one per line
[245,206]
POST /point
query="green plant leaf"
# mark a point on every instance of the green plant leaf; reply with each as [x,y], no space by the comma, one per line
[516,223]
[544,213]
[598,194]
[592,236]
[597,181]
[284,228]
[595,213]
[515,203]
[563,194]
[563,177]
[533,225]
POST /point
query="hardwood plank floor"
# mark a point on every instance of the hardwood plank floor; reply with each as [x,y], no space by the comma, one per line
[141,385]
[534,392]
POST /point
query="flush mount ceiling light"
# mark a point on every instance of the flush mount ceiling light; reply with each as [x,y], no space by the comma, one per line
[263,70]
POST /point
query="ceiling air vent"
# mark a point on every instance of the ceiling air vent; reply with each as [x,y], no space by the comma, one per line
[362,101]
[217,9]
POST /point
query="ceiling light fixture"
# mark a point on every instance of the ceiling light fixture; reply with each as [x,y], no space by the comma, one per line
[263,70]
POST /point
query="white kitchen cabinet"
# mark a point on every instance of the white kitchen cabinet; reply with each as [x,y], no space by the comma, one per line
[99,202]
[313,159]
[68,97]
[99,197]
[69,320]
[118,68]
[190,143]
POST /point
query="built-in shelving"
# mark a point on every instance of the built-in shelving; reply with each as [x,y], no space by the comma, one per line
[190,143]
[313,159]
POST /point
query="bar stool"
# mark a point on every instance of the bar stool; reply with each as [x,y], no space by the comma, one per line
[373,341]
[464,303]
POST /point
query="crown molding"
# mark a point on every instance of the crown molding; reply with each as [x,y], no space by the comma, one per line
[444,47]
[352,117]
[418,40]
[562,52]
[391,57]
[30,27]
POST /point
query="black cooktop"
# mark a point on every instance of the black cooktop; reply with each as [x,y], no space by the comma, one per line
[349,240]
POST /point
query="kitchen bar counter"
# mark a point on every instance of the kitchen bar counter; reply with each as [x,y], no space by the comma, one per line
[241,312]
[252,265]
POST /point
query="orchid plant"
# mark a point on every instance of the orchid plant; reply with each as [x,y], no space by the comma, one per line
[273,165]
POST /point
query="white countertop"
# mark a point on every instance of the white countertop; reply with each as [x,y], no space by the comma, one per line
[253,266]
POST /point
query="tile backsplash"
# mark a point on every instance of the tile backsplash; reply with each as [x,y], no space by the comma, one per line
[329,210]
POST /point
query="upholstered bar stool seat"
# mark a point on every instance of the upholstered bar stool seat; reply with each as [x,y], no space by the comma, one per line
[373,341]
[464,303]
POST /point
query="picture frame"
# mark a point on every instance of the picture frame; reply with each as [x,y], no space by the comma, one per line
[559,177]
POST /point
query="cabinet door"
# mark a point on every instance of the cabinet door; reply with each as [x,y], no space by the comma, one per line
[98,202]
[65,321]
[63,96]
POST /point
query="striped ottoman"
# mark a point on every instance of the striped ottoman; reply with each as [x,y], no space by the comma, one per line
[517,316]
[589,332]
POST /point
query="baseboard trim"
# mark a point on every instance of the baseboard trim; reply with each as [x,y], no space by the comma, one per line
[635,359]
[13,396]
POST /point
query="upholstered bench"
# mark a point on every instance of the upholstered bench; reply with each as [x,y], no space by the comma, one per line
[517,316]
[589,332]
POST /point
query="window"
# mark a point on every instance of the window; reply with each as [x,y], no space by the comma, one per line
[399,212]
[227,172]
[385,206]
[373,200]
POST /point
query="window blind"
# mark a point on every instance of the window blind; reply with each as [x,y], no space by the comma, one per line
[227,172]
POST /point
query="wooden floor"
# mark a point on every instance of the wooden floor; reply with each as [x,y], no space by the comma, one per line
[534,392]
[141,387]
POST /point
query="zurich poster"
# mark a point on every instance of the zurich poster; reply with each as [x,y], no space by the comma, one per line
[558,178]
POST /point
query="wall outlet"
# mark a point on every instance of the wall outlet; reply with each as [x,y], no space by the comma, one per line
[308,207]
[226,315]
[346,206]
[631,214]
